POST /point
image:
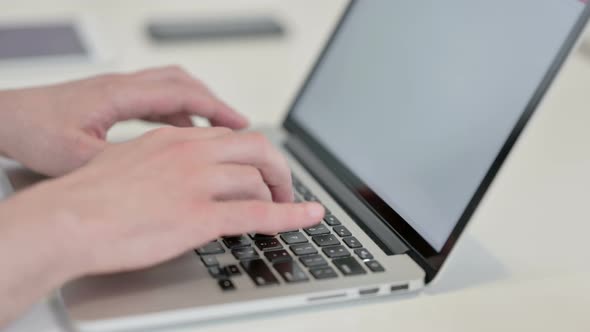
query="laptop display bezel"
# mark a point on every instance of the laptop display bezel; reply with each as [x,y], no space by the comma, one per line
[424,254]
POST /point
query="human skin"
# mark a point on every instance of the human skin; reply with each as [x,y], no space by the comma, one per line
[56,129]
[126,206]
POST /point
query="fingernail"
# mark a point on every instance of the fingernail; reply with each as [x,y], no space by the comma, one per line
[315,211]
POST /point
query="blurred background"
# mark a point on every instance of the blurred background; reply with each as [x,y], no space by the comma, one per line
[257,74]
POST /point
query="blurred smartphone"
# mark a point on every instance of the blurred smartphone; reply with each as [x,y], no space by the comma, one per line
[186,29]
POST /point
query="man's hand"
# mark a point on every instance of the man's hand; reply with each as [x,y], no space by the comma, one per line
[143,202]
[56,129]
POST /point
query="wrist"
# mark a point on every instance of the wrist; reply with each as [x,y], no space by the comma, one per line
[31,258]
[37,240]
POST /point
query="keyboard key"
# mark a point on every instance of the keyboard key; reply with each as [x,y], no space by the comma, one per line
[349,266]
[326,210]
[290,231]
[261,236]
[291,271]
[295,180]
[212,248]
[277,255]
[268,244]
[294,238]
[336,251]
[209,260]
[331,220]
[217,272]
[237,242]
[374,266]
[342,231]
[259,272]
[245,253]
[232,270]
[352,242]
[310,197]
[226,285]
[303,249]
[301,189]
[313,261]
[325,240]
[363,253]
[325,272]
[317,230]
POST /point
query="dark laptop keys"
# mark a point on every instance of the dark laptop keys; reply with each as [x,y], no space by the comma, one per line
[290,271]
[232,270]
[268,244]
[374,266]
[313,261]
[310,197]
[303,249]
[331,220]
[298,186]
[259,272]
[317,230]
[277,256]
[294,238]
[324,272]
[325,240]
[211,249]
[209,260]
[236,242]
[349,266]
[363,253]
[352,242]
[342,231]
[336,251]
[218,272]
[301,189]
[245,253]
[261,236]
[226,285]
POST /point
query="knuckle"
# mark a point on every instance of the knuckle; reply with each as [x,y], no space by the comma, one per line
[262,143]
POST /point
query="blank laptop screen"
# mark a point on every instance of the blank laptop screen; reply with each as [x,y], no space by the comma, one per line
[417,98]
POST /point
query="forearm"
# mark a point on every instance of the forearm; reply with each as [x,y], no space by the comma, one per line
[33,259]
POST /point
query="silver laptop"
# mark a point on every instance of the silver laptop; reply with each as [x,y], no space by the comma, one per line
[399,130]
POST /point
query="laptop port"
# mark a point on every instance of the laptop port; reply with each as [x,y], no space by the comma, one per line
[396,288]
[369,291]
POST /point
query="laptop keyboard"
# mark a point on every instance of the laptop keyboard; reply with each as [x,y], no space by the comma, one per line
[321,252]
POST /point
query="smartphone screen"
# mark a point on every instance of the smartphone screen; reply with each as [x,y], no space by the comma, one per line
[46,40]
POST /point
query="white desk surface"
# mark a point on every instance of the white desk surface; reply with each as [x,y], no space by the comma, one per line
[523,265]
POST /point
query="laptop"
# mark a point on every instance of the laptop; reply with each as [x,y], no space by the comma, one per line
[399,130]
